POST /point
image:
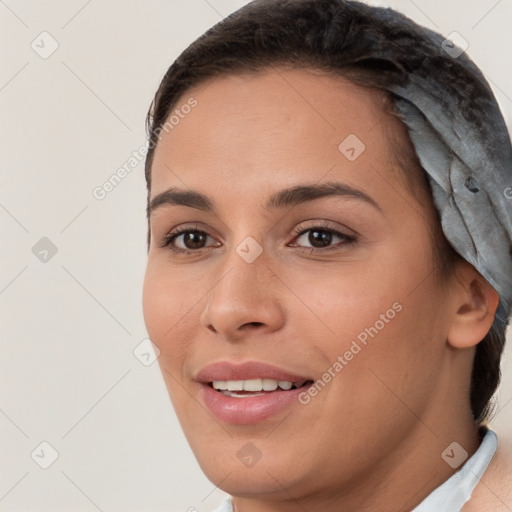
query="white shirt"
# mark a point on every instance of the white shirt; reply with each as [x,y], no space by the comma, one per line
[452,494]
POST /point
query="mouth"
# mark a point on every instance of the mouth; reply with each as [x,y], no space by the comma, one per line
[249,392]
[255,387]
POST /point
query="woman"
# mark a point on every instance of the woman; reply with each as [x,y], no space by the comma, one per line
[329,269]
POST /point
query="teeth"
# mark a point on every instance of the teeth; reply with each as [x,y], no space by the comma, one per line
[235,385]
[234,394]
[254,385]
[269,384]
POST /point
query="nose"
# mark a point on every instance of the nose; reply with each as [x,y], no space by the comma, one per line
[245,300]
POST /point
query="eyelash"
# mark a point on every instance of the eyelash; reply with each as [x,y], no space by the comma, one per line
[346,239]
[169,238]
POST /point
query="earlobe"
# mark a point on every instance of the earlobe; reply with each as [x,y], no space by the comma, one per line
[475,307]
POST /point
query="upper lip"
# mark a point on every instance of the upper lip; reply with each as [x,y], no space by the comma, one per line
[225,370]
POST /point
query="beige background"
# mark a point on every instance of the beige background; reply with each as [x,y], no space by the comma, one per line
[69,326]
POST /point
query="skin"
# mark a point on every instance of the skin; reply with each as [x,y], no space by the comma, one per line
[372,438]
[494,491]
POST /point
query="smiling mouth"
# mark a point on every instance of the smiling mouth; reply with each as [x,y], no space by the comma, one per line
[255,387]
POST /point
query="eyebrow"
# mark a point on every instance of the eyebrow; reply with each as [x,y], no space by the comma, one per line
[287,197]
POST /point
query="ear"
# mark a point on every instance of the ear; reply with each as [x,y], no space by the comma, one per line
[475,304]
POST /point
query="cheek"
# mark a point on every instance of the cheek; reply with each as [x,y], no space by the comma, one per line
[344,300]
[156,304]
[168,309]
[384,313]
[167,306]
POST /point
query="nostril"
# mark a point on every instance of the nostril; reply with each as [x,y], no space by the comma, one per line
[255,324]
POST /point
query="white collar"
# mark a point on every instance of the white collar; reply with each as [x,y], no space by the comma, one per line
[457,490]
[452,494]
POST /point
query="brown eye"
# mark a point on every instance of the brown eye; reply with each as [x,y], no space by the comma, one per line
[320,238]
[193,239]
[187,240]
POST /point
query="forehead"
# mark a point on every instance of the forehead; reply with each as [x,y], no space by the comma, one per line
[282,124]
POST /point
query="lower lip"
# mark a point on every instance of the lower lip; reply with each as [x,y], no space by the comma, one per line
[251,409]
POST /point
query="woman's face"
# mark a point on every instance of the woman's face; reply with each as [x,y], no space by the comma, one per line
[301,256]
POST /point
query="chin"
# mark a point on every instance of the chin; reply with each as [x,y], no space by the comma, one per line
[241,481]
[250,466]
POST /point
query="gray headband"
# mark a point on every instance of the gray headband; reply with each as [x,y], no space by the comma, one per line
[463,144]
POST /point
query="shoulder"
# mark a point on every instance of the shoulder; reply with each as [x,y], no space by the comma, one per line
[494,491]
